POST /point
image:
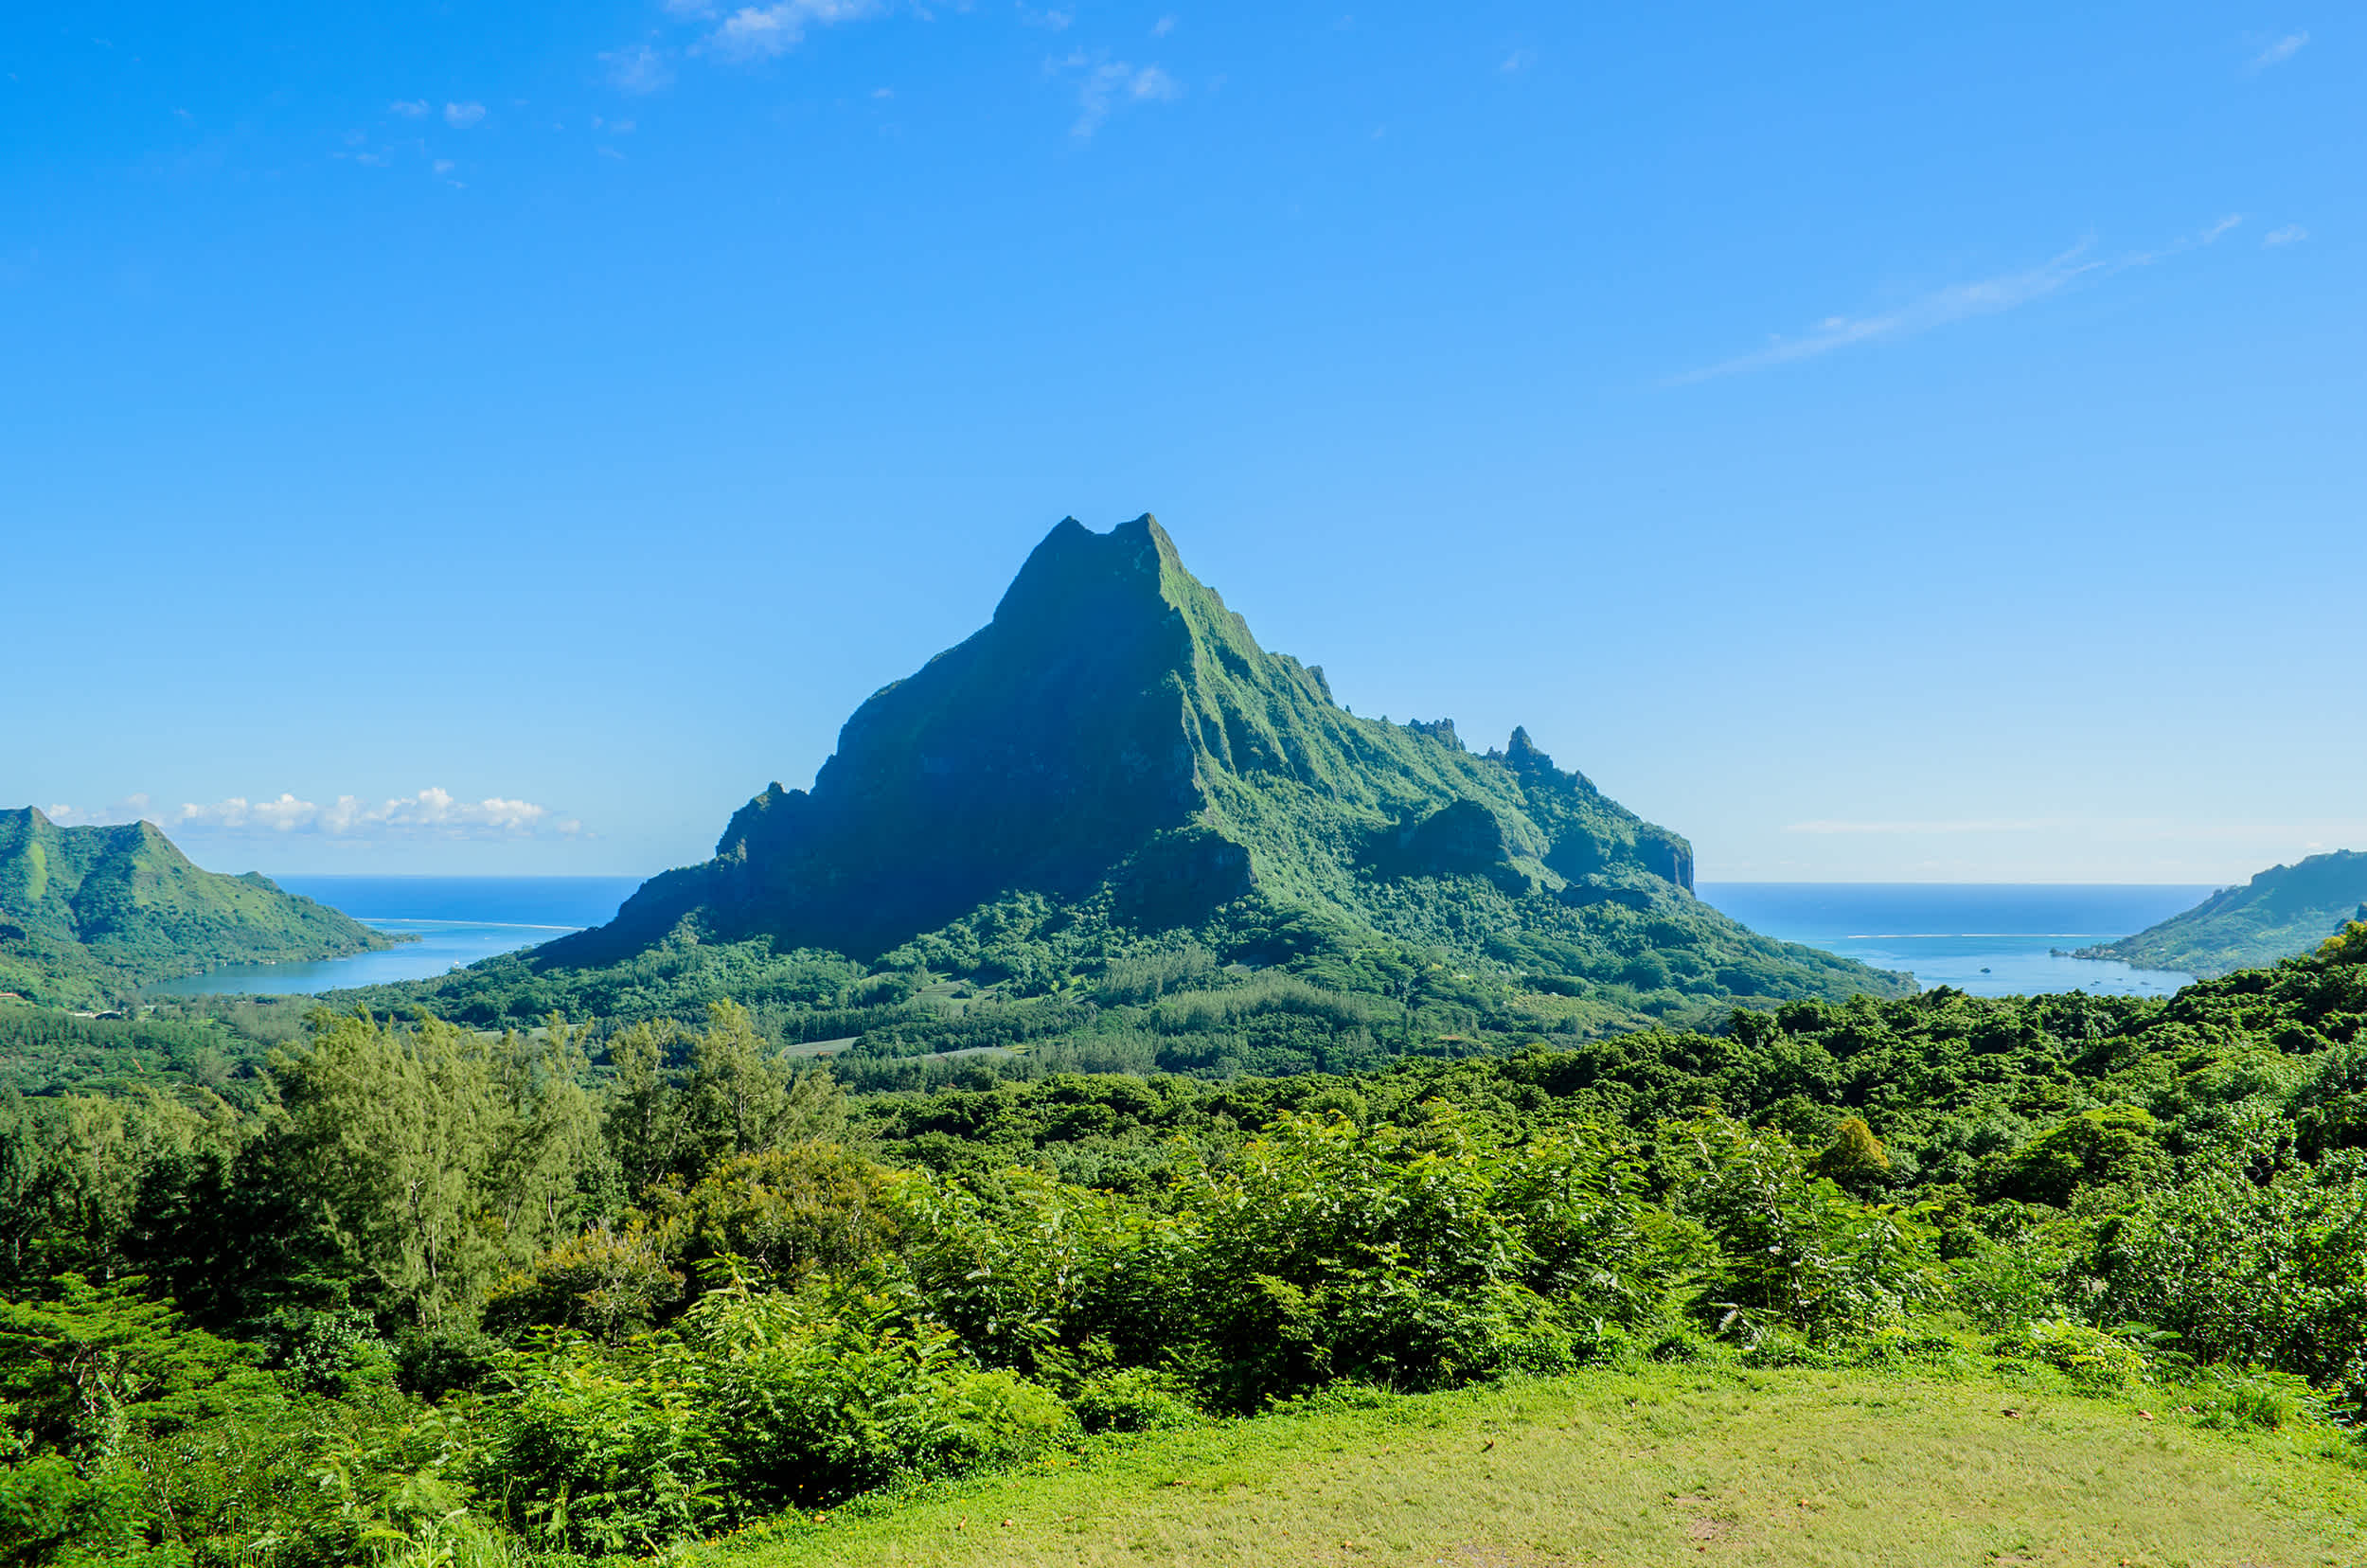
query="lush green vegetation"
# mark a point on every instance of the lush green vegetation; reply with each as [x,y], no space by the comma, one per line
[2282,911]
[570,1294]
[1121,1038]
[1255,986]
[177,1051]
[88,914]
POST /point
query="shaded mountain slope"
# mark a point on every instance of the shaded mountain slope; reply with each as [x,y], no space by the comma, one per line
[1116,748]
[88,913]
[2282,912]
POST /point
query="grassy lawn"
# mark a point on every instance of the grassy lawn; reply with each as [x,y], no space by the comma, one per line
[1668,1466]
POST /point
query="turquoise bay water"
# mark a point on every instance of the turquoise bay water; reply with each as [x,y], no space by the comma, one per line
[457,920]
[1989,938]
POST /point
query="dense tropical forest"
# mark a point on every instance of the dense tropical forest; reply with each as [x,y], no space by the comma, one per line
[405,1290]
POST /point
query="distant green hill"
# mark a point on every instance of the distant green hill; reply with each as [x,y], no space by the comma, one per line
[2284,911]
[88,914]
[1114,766]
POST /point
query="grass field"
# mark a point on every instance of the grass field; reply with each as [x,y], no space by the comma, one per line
[1664,1466]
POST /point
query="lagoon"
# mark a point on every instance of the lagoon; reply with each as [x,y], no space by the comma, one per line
[457,920]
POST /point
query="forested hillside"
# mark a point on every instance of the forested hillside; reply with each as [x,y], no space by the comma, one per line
[88,914]
[580,1293]
[2284,910]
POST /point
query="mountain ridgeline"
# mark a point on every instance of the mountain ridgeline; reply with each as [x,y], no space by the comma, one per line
[1115,727]
[88,914]
[2283,912]
[1116,751]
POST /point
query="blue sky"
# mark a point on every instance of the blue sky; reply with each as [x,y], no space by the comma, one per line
[1882,444]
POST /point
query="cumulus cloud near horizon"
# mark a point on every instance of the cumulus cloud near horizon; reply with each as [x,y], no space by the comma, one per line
[432,812]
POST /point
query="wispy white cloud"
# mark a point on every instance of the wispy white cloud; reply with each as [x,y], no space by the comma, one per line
[2279,52]
[2291,234]
[460,116]
[432,812]
[1986,296]
[1518,60]
[762,32]
[1108,84]
[1050,18]
[1956,302]
[408,107]
[637,68]
[1164,25]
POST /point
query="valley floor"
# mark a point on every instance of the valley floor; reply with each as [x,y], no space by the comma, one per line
[1675,1465]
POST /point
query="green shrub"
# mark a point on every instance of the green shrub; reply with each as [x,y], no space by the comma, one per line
[2088,1356]
[1855,1159]
[1135,1399]
[608,1283]
[1782,1347]
[1412,1258]
[785,1212]
[812,1399]
[2233,1398]
[584,1454]
[1790,1249]
[2001,1283]
[2270,1274]
[1022,1266]
[997,1418]
[2112,1146]
[335,1352]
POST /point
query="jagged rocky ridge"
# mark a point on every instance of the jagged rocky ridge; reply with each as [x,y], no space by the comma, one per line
[1117,738]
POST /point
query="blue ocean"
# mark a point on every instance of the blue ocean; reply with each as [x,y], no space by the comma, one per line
[1988,938]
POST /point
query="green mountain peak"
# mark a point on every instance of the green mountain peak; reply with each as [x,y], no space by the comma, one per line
[1116,741]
